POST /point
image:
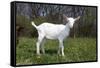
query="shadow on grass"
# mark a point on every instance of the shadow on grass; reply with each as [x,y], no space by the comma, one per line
[50,51]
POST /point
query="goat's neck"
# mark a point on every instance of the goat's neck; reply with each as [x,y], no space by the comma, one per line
[67,27]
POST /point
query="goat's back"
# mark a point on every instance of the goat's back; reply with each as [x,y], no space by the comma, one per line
[51,31]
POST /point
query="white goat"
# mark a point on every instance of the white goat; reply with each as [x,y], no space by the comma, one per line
[54,31]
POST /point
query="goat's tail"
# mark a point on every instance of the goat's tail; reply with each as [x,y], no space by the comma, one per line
[34,24]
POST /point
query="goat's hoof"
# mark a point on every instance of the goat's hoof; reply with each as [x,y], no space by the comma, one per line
[63,55]
[38,56]
[59,55]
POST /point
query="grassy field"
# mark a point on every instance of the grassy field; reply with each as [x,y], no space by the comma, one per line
[76,50]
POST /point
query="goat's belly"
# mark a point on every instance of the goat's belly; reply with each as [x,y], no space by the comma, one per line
[52,34]
[51,37]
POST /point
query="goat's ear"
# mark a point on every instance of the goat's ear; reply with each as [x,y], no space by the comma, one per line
[65,17]
[77,18]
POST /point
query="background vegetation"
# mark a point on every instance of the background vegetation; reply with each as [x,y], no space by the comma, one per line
[39,13]
[80,46]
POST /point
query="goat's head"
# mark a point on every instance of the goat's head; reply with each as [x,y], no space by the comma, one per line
[71,20]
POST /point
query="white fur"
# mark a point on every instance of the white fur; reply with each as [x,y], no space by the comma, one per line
[53,31]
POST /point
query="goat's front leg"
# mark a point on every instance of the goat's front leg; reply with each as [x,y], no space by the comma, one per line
[59,50]
[61,47]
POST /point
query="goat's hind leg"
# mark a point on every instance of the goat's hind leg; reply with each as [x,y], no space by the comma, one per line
[42,46]
[38,44]
[38,47]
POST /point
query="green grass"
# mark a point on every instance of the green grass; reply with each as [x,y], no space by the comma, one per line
[76,50]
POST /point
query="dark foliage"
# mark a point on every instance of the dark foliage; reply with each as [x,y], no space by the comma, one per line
[39,13]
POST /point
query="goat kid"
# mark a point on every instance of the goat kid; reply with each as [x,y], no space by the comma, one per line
[54,31]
